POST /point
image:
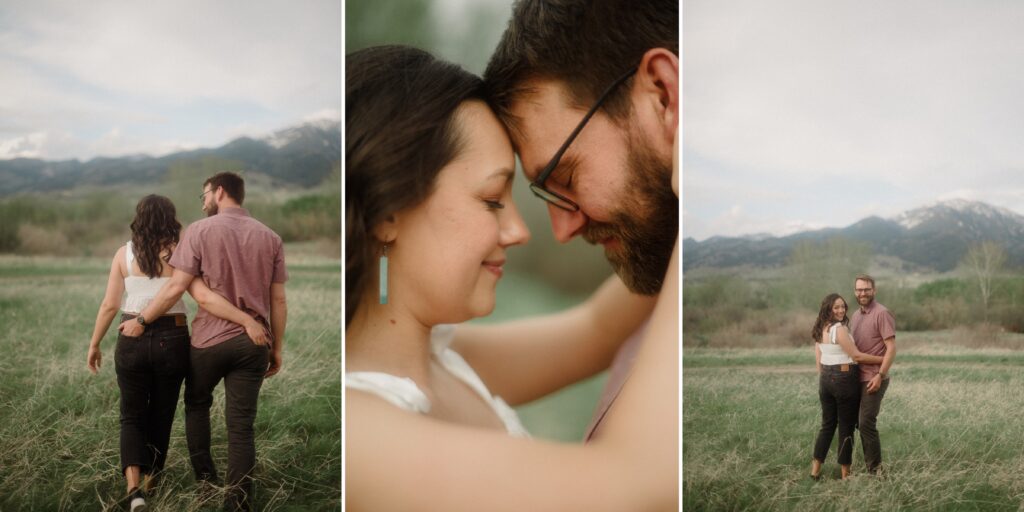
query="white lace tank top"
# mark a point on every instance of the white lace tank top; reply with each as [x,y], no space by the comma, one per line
[140,290]
[402,392]
[832,353]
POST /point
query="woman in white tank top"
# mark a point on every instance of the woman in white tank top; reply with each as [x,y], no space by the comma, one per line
[837,356]
[151,367]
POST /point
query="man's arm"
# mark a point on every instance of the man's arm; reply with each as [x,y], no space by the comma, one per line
[278,319]
[890,353]
[169,293]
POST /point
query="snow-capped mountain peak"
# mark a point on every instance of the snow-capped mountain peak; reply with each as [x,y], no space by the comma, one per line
[913,218]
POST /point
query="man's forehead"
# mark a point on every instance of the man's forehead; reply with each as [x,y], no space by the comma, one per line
[539,103]
[544,117]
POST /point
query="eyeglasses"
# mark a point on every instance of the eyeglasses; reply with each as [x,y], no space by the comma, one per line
[203,195]
[537,186]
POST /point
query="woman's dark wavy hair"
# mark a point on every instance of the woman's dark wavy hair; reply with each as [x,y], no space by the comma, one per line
[154,229]
[825,315]
[400,131]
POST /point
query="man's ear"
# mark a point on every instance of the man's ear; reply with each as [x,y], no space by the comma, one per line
[656,89]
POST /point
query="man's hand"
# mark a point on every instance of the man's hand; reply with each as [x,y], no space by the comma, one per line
[131,328]
[257,332]
[874,384]
[95,358]
[275,363]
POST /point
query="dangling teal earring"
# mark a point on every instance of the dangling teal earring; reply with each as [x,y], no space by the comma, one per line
[384,276]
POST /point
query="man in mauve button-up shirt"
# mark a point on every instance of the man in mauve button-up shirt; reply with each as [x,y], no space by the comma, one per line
[241,260]
[874,332]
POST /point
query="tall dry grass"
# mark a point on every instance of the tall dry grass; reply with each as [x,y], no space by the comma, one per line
[59,426]
[951,431]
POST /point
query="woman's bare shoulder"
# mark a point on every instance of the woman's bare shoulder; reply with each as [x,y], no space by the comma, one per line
[118,261]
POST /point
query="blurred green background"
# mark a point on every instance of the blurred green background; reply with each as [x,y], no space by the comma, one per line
[542,276]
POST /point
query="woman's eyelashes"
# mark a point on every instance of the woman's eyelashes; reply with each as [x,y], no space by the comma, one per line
[494,204]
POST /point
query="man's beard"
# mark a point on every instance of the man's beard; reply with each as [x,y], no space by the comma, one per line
[212,210]
[646,224]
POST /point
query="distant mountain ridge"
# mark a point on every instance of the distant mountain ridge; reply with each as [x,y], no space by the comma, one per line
[936,237]
[300,155]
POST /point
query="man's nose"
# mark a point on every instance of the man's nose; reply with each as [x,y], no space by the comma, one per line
[565,224]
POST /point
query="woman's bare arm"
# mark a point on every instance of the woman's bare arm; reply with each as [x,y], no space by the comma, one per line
[220,307]
[109,307]
[525,359]
[396,460]
[846,342]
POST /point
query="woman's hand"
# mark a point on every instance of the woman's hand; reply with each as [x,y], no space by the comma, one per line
[256,331]
[95,358]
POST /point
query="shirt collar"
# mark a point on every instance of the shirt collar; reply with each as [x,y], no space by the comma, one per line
[234,210]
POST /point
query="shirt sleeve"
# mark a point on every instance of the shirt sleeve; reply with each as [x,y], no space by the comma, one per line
[280,272]
[887,325]
[186,256]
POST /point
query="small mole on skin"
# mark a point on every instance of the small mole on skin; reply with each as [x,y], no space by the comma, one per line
[392,321]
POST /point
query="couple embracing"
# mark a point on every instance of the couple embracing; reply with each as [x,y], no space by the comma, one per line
[853,358]
[233,266]
[586,93]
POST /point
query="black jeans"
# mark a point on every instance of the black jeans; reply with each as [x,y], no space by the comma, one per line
[242,365]
[839,392]
[149,370]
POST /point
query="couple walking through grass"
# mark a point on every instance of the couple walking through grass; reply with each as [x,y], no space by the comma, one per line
[853,357]
[233,266]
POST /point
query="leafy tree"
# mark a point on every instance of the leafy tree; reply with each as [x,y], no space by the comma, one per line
[983,262]
[820,268]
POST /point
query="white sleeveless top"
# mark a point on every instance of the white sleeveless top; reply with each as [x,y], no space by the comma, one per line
[833,353]
[140,290]
[403,393]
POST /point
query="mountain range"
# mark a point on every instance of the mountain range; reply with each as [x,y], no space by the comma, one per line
[300,155]
[934,237]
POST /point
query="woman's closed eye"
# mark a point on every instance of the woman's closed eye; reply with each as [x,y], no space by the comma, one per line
[494,204]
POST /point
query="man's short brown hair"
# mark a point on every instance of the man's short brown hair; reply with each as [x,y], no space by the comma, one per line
[864,277]
[585,44]
[232,183]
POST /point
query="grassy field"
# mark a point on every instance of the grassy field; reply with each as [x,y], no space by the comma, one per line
[59,423]
[951,427]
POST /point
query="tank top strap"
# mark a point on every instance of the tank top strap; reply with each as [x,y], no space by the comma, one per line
[401,392]
[832,332]
[129,256]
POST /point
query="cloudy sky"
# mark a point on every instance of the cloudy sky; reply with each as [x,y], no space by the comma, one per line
[85,79]
[807,114]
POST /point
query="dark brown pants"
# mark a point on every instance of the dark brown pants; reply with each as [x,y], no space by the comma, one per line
[870,405]
[242,365]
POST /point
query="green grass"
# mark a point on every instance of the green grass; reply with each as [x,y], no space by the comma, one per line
[952,433]
[59,426]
